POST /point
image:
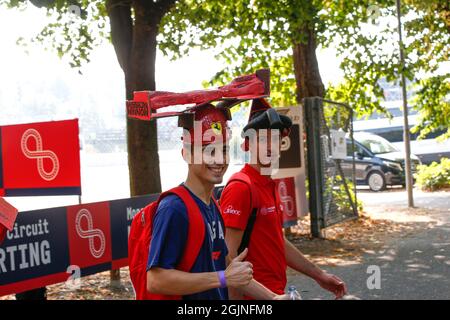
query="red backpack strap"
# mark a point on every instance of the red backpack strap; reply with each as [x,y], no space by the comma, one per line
[196,228]
[243,177]
[255,205]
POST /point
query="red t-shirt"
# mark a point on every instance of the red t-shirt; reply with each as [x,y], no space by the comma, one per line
[266,248]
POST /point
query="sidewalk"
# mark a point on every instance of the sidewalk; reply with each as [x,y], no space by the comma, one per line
[414,260]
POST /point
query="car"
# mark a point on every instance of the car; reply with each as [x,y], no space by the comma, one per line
[377,162]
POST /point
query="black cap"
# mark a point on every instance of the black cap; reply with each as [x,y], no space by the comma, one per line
[263,116]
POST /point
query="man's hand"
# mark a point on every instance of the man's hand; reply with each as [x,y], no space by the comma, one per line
[333,284]
[239,273]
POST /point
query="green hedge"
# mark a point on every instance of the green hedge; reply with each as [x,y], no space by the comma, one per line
[434,176]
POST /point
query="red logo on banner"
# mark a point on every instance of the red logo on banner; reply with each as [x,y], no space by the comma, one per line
[89,231]
[41,155]
[286,195]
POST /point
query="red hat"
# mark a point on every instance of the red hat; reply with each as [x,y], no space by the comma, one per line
[211,123]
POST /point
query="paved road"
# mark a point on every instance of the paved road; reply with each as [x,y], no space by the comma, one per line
[416,267]
[398,196]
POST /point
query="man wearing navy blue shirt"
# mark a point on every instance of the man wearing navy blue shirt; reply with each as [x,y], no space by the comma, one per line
[209,277]
[171,223]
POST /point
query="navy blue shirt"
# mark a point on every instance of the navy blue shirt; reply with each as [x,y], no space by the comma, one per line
[169,236]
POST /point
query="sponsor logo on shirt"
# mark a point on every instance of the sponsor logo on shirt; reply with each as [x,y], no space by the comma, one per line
[231,210]
[216,255]
[267,210]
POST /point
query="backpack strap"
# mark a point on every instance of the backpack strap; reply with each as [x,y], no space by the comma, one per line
[255,204]
[196,227]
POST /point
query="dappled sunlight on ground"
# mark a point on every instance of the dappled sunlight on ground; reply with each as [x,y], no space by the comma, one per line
[371,234]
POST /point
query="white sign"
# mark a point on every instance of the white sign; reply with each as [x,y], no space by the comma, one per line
[338,144]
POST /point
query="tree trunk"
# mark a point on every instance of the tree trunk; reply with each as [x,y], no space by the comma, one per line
[114,279]
[306,68]
[143,159]
[307,75]
[135,45]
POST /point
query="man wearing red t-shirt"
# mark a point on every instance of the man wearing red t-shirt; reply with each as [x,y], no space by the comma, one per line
[252,211]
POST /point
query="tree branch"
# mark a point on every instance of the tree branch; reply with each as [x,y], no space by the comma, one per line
[165,5]
[157,8]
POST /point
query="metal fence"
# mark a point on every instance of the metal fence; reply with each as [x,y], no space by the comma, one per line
[331,171]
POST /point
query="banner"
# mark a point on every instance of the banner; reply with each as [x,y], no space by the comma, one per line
[286,197]
[48,246]
[40,159]
[292,158]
